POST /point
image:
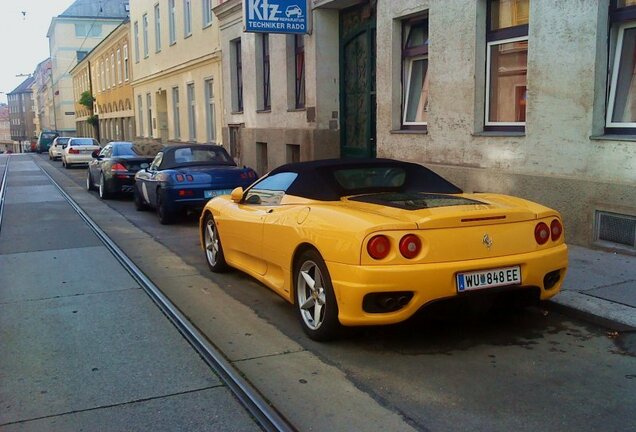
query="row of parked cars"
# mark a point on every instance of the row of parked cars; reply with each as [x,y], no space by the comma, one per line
[348,242]
[169,179]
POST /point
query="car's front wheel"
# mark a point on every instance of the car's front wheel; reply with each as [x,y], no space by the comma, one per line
[316,303]
[212,243]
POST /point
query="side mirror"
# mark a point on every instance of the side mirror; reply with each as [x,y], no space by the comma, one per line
[237,194]
[95,154]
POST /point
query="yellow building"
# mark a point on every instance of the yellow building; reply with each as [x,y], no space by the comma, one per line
[106,73]
[176,61]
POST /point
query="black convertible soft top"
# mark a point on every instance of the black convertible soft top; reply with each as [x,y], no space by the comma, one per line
[213,155]
[319,179]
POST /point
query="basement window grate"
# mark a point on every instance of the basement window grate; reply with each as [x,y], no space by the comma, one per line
[616,228]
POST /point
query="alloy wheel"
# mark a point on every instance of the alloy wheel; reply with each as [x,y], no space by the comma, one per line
[312,299]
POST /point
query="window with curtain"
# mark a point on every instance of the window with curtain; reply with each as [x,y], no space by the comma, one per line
[507,64]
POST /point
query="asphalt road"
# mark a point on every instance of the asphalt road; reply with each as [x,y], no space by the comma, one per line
[446,370]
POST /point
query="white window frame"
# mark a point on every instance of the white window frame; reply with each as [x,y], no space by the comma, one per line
[119,67]
[192,108]
[210,110]
[157,28]
[144,20]
[207,13]
[126,65]
[187,18]
[141,115]
[176,112]
[489,46]
[149,113]
[113,72]
[615,70]
[407,93]
[172,22]
[136,36]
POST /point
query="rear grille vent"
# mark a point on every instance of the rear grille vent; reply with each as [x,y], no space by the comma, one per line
[616,228]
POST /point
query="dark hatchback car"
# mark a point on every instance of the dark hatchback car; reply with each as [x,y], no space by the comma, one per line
[186,177]
[113,169]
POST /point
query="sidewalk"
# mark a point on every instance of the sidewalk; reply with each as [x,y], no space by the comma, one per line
[82,347]
[601,285]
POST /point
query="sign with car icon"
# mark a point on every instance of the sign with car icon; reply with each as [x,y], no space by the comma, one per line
[276,16]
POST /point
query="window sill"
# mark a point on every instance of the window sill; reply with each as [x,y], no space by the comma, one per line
[264,111]
[236,112]
[173,43]
[613,137]
[499,134]
[296,109]
[187,36]
[409,132]
[208,25]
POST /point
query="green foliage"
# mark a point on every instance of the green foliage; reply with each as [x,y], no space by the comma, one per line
[92,120]
[87,100]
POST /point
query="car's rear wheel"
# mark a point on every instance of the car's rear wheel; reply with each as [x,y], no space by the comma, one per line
[67,165]
[212,243]
[166,217]
[315,300]
[103,193]
[140,205]
[89,181]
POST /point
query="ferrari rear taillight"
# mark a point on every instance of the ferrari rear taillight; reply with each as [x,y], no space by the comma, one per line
[541,233]
[189,178]
[410,246]
[378,247]
[556,229]
[73,151]
[185,193]
[180,178]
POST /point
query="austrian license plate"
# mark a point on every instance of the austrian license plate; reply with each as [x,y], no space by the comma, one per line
[213,193]
[488,278]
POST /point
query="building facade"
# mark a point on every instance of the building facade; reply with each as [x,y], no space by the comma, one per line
[6,143]
[106,75]
[21,115]
[530,98]
[72,35]
[43,96]
[281,100]
[176,63]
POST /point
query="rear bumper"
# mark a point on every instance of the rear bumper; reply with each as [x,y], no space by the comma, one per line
[78,158]
[196,200]
[431,282]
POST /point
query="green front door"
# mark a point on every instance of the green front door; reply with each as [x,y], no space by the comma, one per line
[357,81]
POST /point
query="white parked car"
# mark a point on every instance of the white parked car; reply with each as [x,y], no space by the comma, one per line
[57,147]
[79,151]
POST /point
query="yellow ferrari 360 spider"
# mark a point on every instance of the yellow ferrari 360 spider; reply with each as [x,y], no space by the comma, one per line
[367,242]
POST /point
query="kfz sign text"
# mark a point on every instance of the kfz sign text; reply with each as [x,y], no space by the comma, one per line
[276,16]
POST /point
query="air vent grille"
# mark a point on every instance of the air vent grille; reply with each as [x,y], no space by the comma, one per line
[616,228]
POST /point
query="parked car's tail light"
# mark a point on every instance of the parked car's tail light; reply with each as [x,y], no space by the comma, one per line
[73,151]
[556,229]
[378,247]
[180,178]
[185,193]
[118,168]
[410,246]
[189,178]
[541,233]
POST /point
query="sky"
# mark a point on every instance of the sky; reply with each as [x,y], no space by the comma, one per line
[23,41]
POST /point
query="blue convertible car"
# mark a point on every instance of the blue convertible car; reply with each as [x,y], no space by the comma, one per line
[187,176]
